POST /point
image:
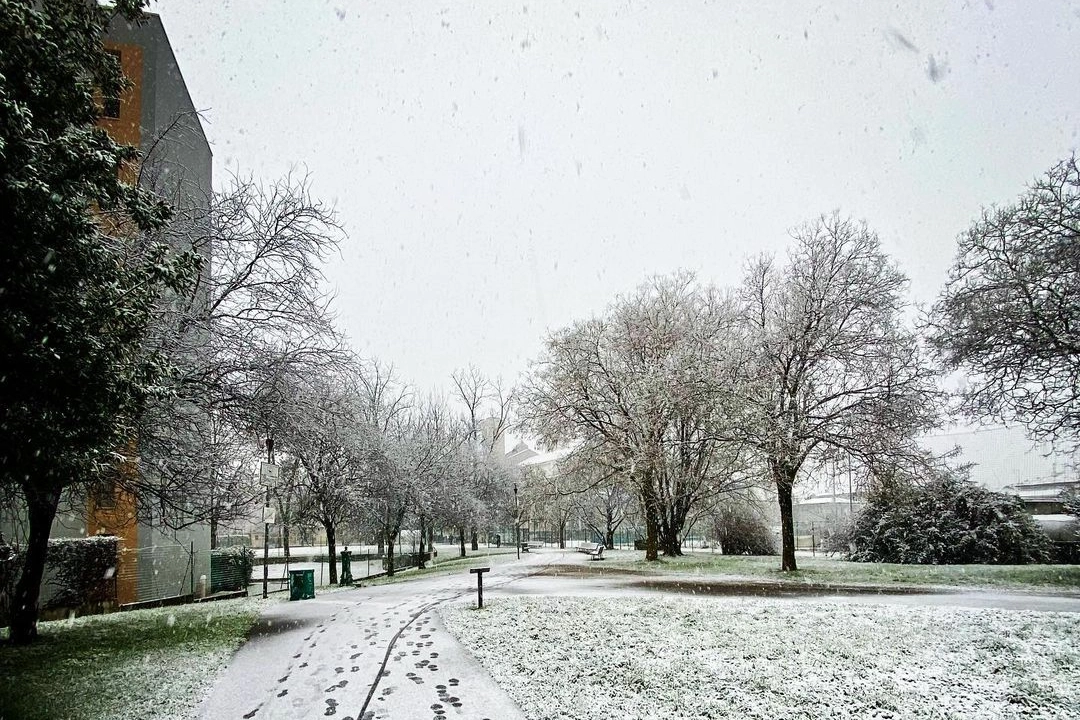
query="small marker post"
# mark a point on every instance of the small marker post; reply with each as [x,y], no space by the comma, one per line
[479,572]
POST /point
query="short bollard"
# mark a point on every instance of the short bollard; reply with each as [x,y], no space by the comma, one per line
[479,585]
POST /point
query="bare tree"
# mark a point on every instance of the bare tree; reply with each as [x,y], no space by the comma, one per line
[487,406]
[1009,315]
[257,314]
[322,428]
[643,385]
[413,454]
[827,363]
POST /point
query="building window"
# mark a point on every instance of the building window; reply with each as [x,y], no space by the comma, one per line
[110,106]
[105,495]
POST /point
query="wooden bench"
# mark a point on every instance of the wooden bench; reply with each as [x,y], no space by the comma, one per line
[524,546]
[594,550]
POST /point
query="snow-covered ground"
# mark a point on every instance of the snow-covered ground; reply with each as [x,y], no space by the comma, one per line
[634,657]
[155,664]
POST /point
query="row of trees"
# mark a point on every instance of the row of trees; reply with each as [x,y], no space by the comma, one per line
[686,393]
[691,392]
[149,349]
[360,449]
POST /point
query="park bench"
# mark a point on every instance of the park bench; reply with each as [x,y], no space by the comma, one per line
[594,550]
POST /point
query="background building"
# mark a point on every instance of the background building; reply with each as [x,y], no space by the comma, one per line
[156,114]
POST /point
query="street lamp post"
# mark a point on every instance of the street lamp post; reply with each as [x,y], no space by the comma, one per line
[517,523]
[266,525]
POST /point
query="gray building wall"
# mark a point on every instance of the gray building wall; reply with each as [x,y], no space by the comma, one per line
[177,161]
[177,165]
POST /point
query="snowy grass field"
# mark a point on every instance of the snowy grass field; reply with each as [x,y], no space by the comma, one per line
[150,664]
[592,659]
[834,571]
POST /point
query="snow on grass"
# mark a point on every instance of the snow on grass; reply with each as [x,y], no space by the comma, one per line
[152,664]
[710,658]
[832,570]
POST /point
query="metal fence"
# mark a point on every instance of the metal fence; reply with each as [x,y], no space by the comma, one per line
[155,573]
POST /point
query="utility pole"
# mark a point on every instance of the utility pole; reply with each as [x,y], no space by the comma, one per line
[266,525]
[850,500]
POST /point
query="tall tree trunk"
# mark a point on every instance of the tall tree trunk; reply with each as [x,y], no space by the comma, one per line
[651,541]
[648,506]
[562,536]
[669,541]
[461,540]
[787,521]
[475,540]
[390,538]
[213,525]
[423,536]
[331,545]
[609,539]
[41,508]
[382,544]
[431,541]
[285,540]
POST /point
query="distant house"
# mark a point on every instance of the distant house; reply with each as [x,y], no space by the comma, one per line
[520,453]
[1001,459]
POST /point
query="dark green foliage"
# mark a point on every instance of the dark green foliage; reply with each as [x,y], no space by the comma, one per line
[9,573]
[80,280]
[82,570]
[230,568]
[78,285]
[740,531]
[1070,501]
[946,521]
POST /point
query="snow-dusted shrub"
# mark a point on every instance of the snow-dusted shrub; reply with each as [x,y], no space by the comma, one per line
[741,531]
[230,568]
[1070,501]
[81,571]
[948,520]
[836,540]
[9,574]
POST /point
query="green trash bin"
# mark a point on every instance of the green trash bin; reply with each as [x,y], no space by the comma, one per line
[301,584]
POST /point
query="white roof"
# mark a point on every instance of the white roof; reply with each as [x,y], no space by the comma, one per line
[551,456]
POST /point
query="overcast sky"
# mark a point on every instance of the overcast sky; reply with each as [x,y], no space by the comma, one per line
[502,169]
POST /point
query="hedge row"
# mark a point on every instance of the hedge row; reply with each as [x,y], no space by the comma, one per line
[78,572]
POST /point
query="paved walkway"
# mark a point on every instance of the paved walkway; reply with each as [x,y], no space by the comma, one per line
[382,652]
[378,652]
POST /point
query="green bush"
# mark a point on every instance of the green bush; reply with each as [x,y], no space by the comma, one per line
[81,571]
[948,520]
[9,574]
[1070,502]
[741,531]
[230,568]
[78,572]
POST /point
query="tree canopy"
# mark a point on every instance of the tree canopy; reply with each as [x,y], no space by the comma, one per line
[1009,316]
[77,291]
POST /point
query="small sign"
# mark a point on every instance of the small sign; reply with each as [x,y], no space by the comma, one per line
[268,473]
[269,514]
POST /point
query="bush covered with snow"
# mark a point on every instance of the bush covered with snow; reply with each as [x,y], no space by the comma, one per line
[948,520]
[81,571]
[741,531]
[230,568]
[1070,501]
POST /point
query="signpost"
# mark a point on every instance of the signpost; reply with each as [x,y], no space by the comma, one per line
[268,473]
[479,572]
